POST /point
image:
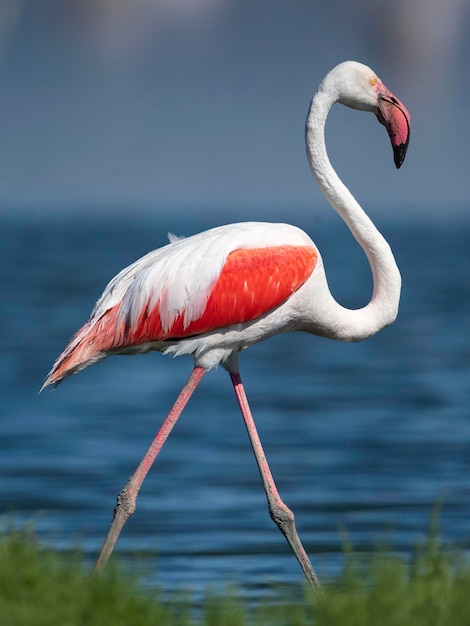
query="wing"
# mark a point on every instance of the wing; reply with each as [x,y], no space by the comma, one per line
[251,283]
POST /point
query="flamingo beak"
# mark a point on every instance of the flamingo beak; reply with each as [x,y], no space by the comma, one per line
[396,119]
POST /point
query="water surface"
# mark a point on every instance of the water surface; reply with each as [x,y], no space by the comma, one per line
[364,437]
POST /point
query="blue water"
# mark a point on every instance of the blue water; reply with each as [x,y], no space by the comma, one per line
[365,437]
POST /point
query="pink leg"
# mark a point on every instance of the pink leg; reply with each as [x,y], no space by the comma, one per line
[280,513]
[126,501]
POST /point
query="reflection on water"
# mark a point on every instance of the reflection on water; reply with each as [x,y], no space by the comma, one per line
[364,437]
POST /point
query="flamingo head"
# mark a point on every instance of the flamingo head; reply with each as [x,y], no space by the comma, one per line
[358,87]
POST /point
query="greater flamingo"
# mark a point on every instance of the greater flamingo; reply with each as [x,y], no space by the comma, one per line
[214,294]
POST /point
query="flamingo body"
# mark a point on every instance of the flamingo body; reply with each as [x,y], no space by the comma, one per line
[214,294]
[207,295]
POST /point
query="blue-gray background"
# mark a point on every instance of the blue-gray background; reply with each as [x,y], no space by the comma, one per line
[121,121]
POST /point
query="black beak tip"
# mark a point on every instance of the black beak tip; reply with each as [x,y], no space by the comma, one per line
[399,153]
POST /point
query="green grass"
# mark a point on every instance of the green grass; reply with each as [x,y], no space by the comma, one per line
[39,587]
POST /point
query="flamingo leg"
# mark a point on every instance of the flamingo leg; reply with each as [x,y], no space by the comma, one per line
[280,513]
[126,500]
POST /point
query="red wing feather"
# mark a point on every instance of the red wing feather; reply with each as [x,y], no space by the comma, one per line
[252,282]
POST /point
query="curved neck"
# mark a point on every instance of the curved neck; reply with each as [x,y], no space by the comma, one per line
[383,306]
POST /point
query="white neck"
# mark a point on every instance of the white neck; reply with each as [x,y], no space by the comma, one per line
[383,307]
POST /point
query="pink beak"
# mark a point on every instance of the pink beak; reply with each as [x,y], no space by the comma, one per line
[396,119]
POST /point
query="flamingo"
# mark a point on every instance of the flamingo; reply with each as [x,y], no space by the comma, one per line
[214,294]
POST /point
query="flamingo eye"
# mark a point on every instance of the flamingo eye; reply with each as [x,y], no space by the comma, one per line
[373,81]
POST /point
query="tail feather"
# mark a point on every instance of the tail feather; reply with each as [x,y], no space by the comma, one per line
[90,344]
[76,356]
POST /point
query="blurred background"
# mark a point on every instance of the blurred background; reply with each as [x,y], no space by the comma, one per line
[159,103]
[121,120]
